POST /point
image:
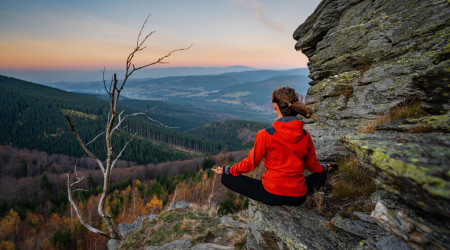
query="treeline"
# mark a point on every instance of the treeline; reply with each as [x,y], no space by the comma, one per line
[21,171]
[33,117]
[172,137]
[231,135]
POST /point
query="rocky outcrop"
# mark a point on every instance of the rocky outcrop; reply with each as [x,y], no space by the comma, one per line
[230,222]
[289,227]
[414,167]
[179,204]
[175,227]
[366,57]
[125,229]
[416,227]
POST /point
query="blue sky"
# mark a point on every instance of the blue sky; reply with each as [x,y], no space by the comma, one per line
[96,34]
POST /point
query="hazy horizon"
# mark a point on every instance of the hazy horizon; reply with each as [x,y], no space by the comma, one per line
[80,36]
[78,75]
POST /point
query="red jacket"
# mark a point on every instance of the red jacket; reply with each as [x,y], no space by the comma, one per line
[288,150]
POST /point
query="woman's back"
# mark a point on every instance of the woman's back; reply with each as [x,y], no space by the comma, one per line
[288,152]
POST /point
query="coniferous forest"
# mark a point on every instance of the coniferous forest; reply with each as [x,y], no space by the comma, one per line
[33,117]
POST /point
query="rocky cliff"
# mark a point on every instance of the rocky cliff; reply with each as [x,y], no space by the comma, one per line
[367,58]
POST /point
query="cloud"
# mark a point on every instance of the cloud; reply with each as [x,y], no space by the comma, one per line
[254,5]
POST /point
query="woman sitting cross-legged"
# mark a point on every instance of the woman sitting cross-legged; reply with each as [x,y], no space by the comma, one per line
[287,149]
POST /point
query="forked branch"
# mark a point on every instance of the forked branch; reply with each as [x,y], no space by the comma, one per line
[72,127]
[75,207]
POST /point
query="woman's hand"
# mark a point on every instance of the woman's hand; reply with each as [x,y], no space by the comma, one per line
[218,170]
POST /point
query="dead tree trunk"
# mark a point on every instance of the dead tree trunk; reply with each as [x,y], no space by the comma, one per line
[114,123]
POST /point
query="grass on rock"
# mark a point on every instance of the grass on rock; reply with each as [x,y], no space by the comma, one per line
[348,189]
[401,112]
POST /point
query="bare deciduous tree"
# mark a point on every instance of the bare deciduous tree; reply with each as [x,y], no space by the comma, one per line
[114,121]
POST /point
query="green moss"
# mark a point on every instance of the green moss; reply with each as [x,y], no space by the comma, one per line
[383,155]
[437,122]
[400,81]
[292,245]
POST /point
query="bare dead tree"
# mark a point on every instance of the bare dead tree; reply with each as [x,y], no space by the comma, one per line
[114,121]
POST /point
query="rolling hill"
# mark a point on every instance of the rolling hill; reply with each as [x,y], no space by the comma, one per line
[32,117]
[232,134]
[235,95]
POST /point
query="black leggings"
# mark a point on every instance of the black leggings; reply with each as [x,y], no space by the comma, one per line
[253,189]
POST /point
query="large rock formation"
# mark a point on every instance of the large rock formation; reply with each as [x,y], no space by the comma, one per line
[367,57]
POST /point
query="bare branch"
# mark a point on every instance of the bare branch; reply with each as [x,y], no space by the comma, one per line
[74,205]
[76,175]
[95,138]
[159,61]
[151,119]
[104,82]
[110,85]
[78,180]
[99,163]
[120,121]
[136,114]
[80,189]
[121,151]
[142,28]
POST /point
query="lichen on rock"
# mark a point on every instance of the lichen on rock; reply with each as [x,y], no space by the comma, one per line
[413,166]
[394,51]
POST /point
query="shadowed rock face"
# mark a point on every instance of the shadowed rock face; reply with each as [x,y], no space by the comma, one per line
[366,57]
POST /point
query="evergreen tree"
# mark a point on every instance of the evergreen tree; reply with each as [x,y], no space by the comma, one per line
[45,183]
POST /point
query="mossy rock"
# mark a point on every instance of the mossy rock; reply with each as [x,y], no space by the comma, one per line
[413,166]
[426,124]
[295,227]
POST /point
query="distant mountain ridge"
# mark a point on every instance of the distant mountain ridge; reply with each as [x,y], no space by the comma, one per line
[236,95]
[50,76]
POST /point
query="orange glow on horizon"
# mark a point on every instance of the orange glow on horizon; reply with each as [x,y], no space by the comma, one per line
[80,61]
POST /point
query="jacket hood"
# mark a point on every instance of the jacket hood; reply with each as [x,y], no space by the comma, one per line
[289,128]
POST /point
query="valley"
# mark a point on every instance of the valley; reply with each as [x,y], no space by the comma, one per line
[191,124]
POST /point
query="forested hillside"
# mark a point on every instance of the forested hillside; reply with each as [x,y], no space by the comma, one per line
[33,117]
[179,117]
[231,135]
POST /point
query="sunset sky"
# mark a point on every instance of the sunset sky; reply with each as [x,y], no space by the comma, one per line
[85,34]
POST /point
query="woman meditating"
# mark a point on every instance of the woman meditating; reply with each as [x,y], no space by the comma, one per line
[287,149]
